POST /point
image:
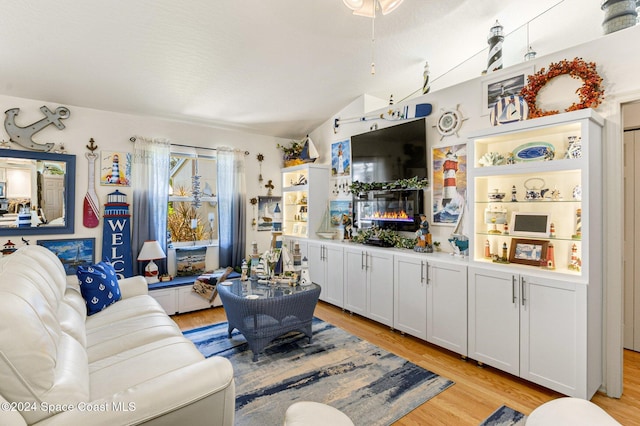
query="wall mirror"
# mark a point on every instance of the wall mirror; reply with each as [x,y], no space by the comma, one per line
[37,192]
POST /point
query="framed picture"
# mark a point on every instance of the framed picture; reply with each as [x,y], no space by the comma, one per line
[492,88]
[528,252]
[72,252]
[449,183]
[3,190]
[341,158]
[269,211]
[190,261]
[115,168]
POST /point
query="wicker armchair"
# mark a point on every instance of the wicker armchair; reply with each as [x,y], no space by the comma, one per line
[275,312]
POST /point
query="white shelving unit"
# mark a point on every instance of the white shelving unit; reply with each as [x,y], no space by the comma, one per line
[305,192]
[541,323]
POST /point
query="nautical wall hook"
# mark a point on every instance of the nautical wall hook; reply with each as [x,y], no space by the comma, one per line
[23,135]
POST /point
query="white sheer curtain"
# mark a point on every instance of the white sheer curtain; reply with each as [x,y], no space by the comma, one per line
[150,195]
[231,206]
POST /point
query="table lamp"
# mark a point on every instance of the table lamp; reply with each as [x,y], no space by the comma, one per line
[151,251]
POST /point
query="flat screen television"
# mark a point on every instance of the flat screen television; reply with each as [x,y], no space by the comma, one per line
[386,155]
[389,154]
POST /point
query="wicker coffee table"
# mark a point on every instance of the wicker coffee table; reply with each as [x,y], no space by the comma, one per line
[263,312]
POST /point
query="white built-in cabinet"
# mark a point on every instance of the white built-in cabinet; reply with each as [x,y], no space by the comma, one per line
[534,327]
[369,283]
[410,295]
[540,323]
[181,299]
[326,266]
[447,306]
[305,193]
[430,300]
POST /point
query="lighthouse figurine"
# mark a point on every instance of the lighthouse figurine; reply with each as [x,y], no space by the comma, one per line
[305,280]
[495,39]
[449,169]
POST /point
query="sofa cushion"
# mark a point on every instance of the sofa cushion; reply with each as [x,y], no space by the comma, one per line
[99,286]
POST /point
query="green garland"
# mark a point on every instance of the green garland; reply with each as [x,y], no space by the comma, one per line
[389,237]
[412,183]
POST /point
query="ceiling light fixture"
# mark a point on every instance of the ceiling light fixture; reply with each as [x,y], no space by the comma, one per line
[368,8]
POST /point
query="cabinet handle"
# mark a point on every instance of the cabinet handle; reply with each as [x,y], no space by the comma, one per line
[513,289]
[421,271]
[426,265]
[522,285]
[366,261]
[362,254]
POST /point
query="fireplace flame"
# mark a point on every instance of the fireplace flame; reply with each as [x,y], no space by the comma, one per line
[390,215]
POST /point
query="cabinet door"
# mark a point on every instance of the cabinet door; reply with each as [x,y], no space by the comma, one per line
[494,325]
[410,296]
[379,267]
[334,282]
[447,306]
[550,335]
[317,267]
[167,298]
[355,281]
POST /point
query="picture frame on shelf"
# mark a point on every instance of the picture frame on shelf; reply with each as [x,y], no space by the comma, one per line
[528,251]
[513,83]
[72,252]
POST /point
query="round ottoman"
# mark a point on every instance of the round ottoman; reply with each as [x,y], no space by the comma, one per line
[569,412]
[308,413]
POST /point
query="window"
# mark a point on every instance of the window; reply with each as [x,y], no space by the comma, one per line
[187,222]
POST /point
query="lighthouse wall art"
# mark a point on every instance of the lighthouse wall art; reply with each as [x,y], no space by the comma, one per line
[115,168]
[449,183]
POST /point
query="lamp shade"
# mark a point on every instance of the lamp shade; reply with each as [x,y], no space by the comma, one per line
[151,250]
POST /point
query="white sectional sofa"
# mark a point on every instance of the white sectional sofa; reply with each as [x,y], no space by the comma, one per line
[127,364]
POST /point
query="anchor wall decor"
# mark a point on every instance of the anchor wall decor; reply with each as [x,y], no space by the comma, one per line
[23,135]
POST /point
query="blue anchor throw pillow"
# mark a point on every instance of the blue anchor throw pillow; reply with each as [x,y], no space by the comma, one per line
[99,286]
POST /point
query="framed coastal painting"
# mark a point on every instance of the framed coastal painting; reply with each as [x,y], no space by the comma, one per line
[449,183]
[115,168]
[72,252]
[341,158]
[269,211]
[510,84]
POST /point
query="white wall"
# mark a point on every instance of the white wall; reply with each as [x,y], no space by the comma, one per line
[617,57]
[111,132]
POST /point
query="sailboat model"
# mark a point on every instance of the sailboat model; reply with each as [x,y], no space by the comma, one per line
[325,230]
[309,152]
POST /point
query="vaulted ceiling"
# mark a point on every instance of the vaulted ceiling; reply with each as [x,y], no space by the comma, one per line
[273,67]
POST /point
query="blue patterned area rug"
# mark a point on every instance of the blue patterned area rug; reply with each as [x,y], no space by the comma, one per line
[505,416]
[369,384]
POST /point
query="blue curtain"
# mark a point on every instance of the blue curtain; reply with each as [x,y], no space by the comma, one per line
[231,206]
[150,176]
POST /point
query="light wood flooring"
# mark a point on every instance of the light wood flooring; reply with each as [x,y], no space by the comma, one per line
[477,392]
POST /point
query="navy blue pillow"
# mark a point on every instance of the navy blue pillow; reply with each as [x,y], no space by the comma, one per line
[99,286]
